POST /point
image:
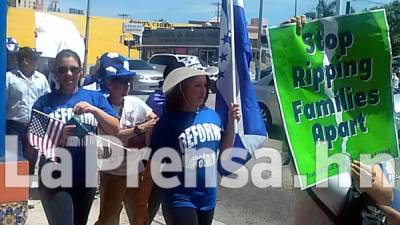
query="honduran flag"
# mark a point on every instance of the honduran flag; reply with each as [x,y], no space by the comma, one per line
[251,128]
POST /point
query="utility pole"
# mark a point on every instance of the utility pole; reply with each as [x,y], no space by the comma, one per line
[295,7]
[218,4]
[260,25]
[123,15]
[86,36]
[348,7]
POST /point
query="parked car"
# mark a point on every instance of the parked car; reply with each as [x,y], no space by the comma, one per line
[396,59]
[396,102]
[160,61]
[396,65]
[147,77]
[268,100]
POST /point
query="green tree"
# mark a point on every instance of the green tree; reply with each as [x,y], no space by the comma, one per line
[324,8]
[393,19]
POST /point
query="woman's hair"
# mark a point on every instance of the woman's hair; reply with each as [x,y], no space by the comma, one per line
[66,54]
[175,98]
[168,69]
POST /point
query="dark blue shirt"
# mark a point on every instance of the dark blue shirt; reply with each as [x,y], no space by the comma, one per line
[196,137]
[156,101]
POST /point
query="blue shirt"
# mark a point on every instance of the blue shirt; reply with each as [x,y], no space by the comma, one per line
[156,101]
[196,138]
[60,106]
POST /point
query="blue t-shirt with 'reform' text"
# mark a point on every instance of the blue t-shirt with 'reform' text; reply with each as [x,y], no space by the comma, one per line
[196,137]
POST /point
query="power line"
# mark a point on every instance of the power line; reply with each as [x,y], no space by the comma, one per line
[372,2]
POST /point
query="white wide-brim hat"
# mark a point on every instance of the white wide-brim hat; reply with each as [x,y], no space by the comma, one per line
[180,74]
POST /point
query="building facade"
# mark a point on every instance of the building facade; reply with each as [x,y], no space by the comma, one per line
[199,41]
[30,4]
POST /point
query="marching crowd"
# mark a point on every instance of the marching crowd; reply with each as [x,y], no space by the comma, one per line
[165,120]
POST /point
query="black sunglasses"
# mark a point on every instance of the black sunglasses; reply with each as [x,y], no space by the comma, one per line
[65,69]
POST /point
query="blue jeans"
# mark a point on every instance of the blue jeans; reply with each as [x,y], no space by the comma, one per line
[186,216]
[24,149]
[19,129]
[66,206]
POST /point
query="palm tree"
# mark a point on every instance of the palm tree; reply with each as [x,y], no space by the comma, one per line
[324,8]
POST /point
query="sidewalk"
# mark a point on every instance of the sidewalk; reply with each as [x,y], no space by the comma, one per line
[36,214]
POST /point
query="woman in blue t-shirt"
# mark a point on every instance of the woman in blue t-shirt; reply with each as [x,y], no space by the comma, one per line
[70,203]
[193,134]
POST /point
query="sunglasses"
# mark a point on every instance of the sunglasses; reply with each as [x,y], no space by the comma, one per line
[65,69]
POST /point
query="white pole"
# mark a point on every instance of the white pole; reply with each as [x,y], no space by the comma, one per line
[233,59]
[339,7]
[259,45]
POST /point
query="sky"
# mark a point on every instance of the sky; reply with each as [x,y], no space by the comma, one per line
[184,10]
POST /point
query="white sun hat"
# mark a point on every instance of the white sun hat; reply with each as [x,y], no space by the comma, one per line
[180,74]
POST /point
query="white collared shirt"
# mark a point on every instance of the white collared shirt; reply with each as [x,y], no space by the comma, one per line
[22,92]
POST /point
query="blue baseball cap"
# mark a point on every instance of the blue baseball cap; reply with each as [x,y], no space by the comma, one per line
[113,65]
[12,45]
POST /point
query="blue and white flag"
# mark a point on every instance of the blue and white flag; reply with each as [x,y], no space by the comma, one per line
[251,128]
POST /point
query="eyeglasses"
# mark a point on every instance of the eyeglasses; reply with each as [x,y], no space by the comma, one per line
[65,69]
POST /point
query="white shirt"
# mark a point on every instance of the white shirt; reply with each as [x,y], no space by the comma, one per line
[22,92]
[135,112]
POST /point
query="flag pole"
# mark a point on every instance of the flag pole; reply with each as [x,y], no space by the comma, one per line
[44,114]
[90,133]
[233,58]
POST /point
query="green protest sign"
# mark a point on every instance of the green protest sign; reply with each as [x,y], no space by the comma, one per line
[334,87]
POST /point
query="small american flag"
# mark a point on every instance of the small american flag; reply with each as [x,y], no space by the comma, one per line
[44,133]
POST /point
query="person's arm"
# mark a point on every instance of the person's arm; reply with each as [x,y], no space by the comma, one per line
[378,192]
[46,88]
[128,133]
[396,199]
[229,134]
[108,123]
[392,215]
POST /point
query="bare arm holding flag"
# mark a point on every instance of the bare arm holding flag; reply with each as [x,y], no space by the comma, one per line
[229,136]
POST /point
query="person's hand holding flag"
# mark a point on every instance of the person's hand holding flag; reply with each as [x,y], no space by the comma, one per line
[234,117]
[67,131]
